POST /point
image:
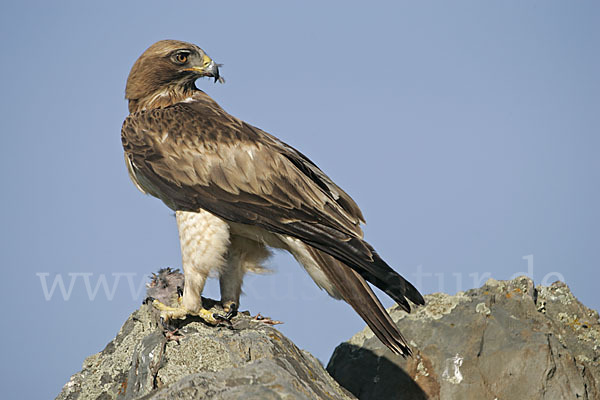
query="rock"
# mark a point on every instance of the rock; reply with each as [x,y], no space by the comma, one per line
[250,360]
[505,340]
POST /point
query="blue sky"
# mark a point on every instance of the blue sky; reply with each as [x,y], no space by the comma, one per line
[467,131]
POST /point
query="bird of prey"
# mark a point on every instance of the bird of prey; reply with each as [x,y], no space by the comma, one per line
[237,191]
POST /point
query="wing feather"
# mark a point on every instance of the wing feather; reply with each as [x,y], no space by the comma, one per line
[356,292]
[196,156]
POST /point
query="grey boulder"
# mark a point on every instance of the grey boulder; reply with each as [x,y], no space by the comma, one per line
[505,340]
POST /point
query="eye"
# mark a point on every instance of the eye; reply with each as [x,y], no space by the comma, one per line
[181,57]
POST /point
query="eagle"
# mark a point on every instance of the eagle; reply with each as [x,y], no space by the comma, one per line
[238,191]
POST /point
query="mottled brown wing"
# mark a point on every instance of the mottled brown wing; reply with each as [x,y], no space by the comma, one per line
[194,155]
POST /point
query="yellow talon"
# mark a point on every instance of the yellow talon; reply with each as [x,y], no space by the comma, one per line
[180,312]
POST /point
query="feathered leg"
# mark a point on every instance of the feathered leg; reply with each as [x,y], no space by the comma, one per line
[204,240]
[244,255]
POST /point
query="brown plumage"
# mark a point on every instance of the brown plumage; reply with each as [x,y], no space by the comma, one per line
[183,148]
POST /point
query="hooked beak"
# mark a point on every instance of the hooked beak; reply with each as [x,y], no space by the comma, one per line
[208,68]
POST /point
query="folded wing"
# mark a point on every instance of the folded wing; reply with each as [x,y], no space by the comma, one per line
[196,156]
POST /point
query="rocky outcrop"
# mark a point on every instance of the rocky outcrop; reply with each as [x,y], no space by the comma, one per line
[248,360]
[505,340]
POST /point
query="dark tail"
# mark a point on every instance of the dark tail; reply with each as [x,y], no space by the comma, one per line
[356,291]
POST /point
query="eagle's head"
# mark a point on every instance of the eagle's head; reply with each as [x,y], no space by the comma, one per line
[168,68]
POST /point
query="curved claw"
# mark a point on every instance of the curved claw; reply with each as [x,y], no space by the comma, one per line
[165,324]
[222,319]
[233,308]
[148,300]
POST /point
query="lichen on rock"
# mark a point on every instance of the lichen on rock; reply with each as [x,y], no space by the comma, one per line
[505,340]
[250,358]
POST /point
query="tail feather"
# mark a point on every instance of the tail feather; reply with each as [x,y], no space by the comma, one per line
[356,291]
[362,258]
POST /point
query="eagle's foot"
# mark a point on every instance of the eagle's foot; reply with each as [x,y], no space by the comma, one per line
[168,313]
[231,309]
